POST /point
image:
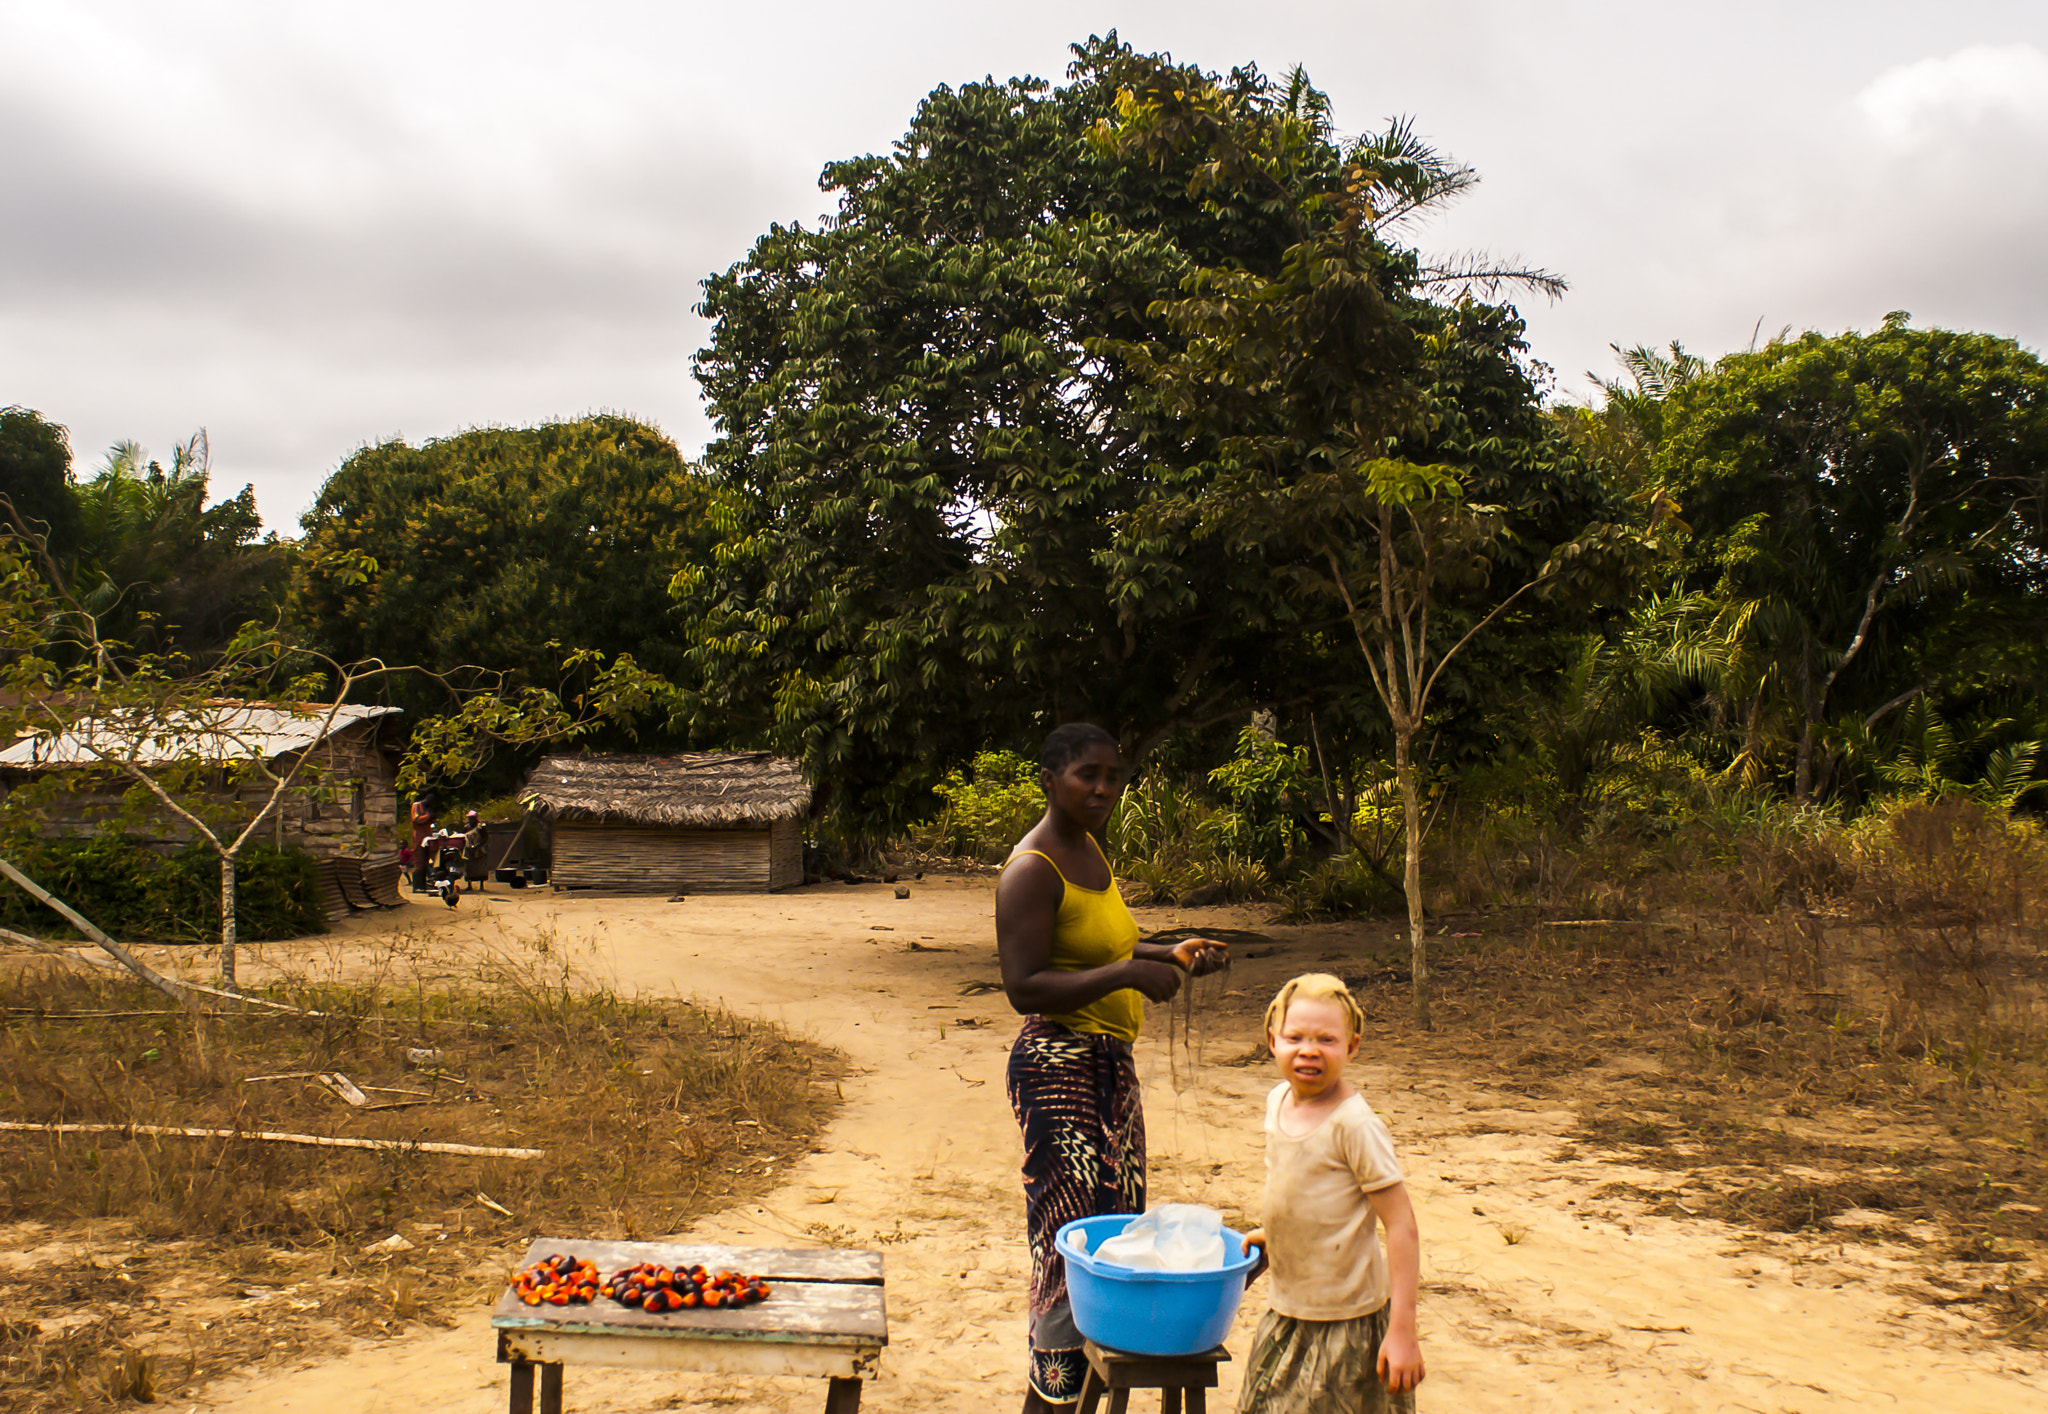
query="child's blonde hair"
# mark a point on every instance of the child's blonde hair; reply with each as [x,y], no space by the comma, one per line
[1315,987]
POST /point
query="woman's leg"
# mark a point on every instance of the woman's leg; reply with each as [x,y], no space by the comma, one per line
[1077,1102]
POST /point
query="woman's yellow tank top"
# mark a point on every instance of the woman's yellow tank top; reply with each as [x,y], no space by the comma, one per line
[1094,928]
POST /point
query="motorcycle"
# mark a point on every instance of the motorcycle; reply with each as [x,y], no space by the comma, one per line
[444,867]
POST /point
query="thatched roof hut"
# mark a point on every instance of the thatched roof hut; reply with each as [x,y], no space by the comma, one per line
[693,822]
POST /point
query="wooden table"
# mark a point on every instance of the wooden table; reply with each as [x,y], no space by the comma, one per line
[825,1318]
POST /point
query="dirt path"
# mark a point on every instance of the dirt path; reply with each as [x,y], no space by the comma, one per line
[1538,1294]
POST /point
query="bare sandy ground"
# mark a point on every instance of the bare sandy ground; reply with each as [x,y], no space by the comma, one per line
[1538,1295]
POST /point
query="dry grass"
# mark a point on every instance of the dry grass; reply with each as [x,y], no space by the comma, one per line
[1818,1077]
[140,1267]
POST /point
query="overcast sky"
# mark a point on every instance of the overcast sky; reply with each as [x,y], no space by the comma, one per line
[304,227]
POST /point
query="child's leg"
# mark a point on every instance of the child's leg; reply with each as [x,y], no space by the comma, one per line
[1318,1367]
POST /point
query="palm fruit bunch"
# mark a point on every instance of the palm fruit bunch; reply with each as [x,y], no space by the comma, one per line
[557,1280]
[658,1290]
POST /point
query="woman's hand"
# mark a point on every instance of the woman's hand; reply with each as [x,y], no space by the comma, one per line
[1201,956]
[1155,981]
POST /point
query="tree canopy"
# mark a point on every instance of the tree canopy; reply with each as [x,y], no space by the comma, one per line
[1868,521]
[35,475]
[940,447]
[494,547]
[137,544]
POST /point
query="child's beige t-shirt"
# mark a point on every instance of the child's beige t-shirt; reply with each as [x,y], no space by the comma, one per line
[1323,1233]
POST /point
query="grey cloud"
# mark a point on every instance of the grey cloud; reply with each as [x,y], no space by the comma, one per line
[614,252]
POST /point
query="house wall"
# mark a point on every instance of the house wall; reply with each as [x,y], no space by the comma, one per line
[353,764]
[653,860]
[785,854]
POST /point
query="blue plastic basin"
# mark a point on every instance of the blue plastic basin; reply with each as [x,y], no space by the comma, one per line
[1151,1312]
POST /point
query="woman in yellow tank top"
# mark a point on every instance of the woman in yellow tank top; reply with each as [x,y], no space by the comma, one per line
[1074,967]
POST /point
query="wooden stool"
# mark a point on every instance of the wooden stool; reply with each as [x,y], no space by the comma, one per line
[1116,1373]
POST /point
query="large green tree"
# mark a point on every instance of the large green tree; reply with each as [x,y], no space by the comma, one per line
[933,469]
[941,449]
[1870,521]
[1360,427]
[493,547]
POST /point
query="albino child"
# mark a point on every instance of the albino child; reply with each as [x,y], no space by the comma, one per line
[1340,1335]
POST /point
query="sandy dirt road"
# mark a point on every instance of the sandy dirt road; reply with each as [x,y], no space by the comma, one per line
[1538,1294]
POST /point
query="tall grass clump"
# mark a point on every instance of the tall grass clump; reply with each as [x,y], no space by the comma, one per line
[1176,847]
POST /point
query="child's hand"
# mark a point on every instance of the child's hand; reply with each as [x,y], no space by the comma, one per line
[1256,1238]
[1400,1362]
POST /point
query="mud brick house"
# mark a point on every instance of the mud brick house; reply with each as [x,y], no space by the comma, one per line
[699,822]
[345,802]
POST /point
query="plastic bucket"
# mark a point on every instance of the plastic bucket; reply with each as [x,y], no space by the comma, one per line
[1151,1312]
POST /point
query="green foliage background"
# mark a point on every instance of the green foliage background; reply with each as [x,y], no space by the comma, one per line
[501,549]
[134,893]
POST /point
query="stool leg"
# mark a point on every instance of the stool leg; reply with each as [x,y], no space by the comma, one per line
[1119,1401]
[551,1389]
[1198,1401]
[842,1396]
[1091,1392]
[522,1388]
[1169,1400]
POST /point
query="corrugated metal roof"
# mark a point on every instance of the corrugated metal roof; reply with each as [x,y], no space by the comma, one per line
[220,730]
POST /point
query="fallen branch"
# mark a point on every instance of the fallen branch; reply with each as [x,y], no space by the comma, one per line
[245,998]
[41,1015]
[77,920]
[317,1140]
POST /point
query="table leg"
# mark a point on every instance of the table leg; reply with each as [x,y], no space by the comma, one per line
[551,1389]
[522,1388]
[842,1396]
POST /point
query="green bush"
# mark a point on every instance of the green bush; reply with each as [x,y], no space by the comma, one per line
[134,893]
[988,808]
[1266,782]
[1339,888]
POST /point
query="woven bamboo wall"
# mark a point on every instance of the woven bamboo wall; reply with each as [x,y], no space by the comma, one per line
[785,854]
[628,860]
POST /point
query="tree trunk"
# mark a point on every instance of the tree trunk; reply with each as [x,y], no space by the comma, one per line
[1340,824]
[227,920]
[1809,728]
[1411,876]
[1802,773]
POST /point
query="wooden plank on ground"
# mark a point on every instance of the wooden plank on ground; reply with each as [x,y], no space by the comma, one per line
[380,878]
[348,872]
